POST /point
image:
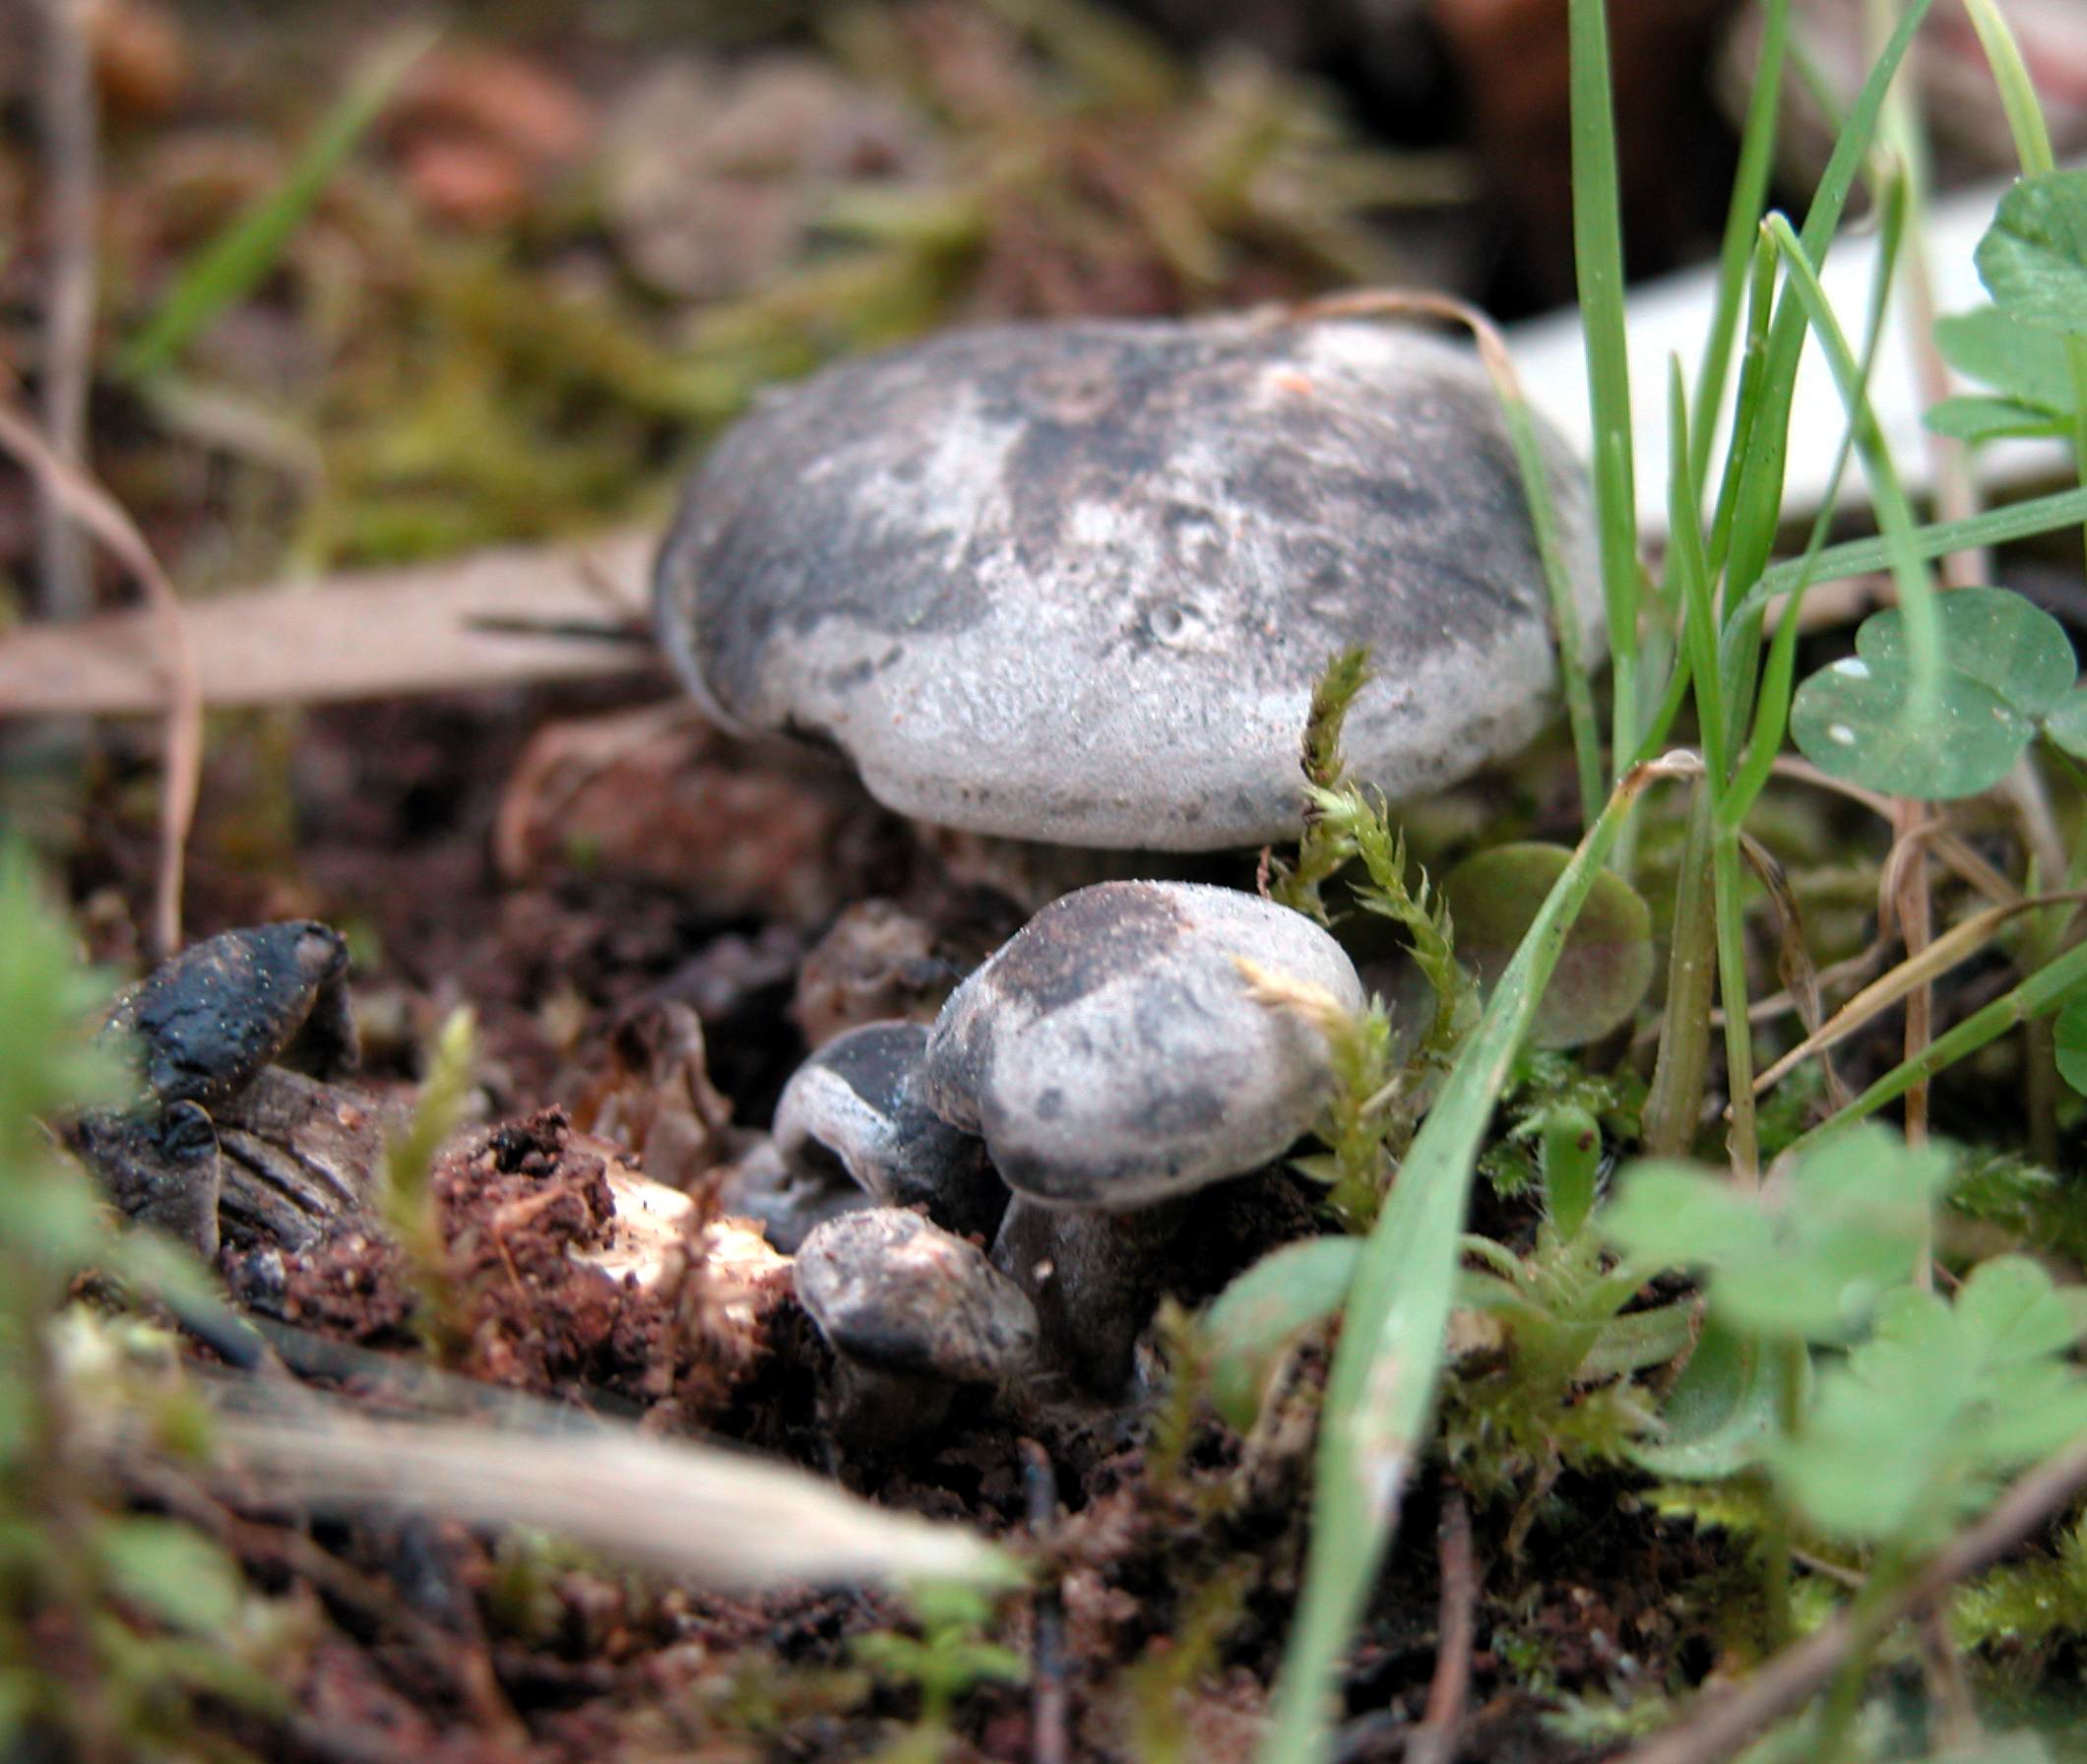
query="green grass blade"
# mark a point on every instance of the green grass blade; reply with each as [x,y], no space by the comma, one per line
[1771,717]
[1894,513]
[2018,100]
[1598,250]
[1699,615]
[1758,485]
[1381,1389]
[1742,222]
[1862,557]
[230,267]
[1750,403]
[1573,675]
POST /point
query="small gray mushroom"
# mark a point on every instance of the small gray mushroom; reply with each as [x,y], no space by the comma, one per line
[1115,1061]
[913,1314]
[1073,583]
[854,1111]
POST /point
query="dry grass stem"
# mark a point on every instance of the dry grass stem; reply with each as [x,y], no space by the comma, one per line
[87,503]
[1935,958]
[721,1519]
[69,124]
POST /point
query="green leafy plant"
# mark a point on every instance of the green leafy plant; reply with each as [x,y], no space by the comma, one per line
[111,1623]
[1809,1259]
[945,1663]
[407,1199]
[1966,1391]
[2007,671]
[2033,261]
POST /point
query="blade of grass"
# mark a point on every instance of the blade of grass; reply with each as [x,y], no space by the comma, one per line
[1711,837]
[1862,557]
[230,267]
[1743,533]
[1699,617]
[1771,717]
[1381,1388]
[1923,641]
[2010,76]
[1598,250]
[1749,201]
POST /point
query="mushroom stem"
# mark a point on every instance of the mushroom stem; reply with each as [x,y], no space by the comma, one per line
[878,1411]
[1095,1279]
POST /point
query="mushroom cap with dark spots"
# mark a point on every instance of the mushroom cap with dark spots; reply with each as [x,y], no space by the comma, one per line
[892,1292]
[855,1109]
[1074,581]
[1112,1054]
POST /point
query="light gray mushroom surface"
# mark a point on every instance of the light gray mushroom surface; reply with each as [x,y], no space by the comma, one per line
[1074,581]
[892,1293]
[1112,1054]
[856,1103]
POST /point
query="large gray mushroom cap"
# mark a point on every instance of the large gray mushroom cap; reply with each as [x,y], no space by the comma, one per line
[1074,581]
[1111,1053]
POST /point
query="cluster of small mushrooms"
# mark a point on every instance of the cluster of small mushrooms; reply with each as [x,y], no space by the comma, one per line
[1071,584]
[1074,583]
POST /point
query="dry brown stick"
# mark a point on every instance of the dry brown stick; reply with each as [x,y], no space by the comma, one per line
[1434,1741]
[1801,976]
[1725,1721]
[69,127]
[1914,902]
[85,502]
[1957,1725]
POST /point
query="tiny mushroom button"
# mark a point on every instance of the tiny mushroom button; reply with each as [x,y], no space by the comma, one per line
[855,1109]
[1115,1060]
[1072,583]
[911,1314]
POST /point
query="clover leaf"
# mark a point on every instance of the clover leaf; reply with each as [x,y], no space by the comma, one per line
[2007,667]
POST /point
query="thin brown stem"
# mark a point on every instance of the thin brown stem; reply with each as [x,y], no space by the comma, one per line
[87,503]
[1051,1741]
[1434,1741]
[1914,903]
[69,125]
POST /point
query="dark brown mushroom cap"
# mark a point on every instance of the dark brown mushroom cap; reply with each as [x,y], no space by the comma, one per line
[1074,581]
[1112,1054]
[892,1292]
[206,1020]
